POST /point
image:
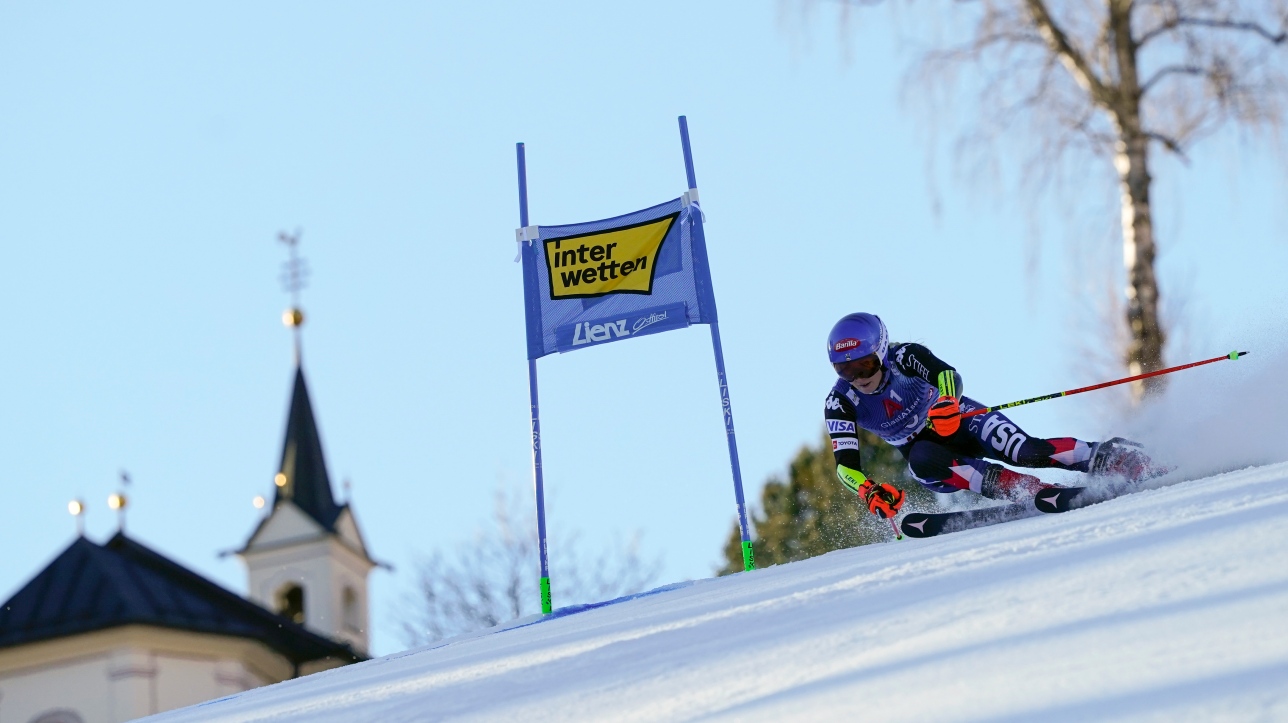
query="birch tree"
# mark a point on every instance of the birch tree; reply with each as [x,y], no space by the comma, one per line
[1122,79]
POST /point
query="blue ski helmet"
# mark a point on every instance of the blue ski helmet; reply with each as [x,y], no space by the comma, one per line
[856,336]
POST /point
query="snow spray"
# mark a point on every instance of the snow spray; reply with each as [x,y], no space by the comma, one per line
[1220,418]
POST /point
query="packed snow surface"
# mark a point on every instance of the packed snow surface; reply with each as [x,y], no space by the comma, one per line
[1168,604]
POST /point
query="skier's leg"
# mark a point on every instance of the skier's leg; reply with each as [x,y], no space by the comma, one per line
[1000,438]
[940,469]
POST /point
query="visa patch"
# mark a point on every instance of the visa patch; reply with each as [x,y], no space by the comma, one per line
[840,426]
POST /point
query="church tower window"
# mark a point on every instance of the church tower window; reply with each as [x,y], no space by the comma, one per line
[350,610]
[290,602]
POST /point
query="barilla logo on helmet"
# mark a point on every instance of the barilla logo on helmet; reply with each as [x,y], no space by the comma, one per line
[846,344]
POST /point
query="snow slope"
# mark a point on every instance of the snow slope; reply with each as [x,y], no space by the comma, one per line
[1169,604]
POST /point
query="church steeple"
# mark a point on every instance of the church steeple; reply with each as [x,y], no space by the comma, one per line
[306,559]
[302,476]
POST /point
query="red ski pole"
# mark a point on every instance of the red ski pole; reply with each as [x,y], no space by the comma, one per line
[1071,392]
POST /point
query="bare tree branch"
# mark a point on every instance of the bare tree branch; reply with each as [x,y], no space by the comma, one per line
[1069,55]
[493,578]
[1169,70]
[1169,143]
[1246,26]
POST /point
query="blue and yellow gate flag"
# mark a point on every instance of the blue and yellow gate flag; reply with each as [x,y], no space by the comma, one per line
[591,283]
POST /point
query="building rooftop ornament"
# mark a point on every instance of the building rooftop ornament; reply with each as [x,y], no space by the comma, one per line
[76,508]
[118,501]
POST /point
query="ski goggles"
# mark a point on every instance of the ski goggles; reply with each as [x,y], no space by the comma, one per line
[862,368]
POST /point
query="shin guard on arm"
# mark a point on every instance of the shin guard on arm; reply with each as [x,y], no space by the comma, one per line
[851,478]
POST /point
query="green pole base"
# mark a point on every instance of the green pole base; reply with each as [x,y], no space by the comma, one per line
[546,607]
[748,556]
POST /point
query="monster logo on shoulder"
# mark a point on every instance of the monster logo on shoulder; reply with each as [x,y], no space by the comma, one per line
[619,261]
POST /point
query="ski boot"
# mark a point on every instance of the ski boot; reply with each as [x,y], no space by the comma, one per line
[1001,483]
[1124,459]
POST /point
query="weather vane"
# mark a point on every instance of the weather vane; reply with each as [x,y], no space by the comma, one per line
[118,501]
[295,276]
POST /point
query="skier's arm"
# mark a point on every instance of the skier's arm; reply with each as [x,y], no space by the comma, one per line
[916,360]
[945,414]
[839,415]
[882,499]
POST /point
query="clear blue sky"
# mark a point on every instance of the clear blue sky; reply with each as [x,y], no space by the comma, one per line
[149,154]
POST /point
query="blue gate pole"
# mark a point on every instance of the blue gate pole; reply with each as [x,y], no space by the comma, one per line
[748,555]
[538,482]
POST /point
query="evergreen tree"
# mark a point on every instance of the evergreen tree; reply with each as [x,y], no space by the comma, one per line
[812,512]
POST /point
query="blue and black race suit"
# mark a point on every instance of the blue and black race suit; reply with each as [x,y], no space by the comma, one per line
[898,412]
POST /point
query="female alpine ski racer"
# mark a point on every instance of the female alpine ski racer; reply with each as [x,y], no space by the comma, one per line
[913,400]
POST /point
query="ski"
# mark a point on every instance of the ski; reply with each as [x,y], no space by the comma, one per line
[1063,499]
[1051,501]
[1127,457]
[929,524]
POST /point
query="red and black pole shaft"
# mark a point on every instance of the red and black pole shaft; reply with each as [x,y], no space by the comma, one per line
[1093,387]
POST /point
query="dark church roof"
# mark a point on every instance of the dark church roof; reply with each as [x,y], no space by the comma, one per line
[93,587]
[307,483]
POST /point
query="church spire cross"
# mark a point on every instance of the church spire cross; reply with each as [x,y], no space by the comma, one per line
[294,277]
